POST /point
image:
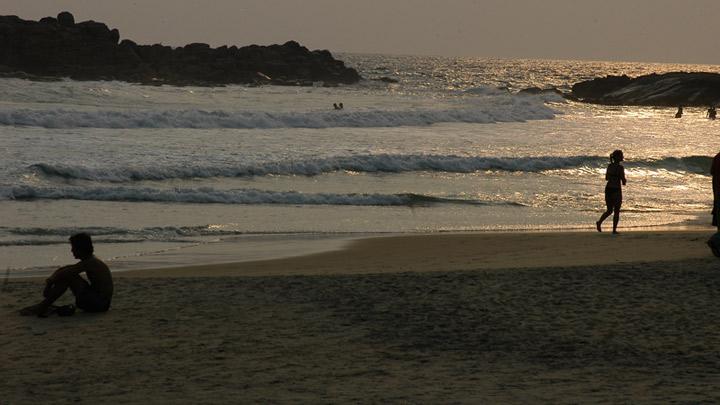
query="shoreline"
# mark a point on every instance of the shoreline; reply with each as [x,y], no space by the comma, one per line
[462,252]
[405,252]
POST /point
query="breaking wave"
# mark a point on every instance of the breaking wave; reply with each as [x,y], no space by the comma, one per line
[206,195]
[159,231]
[517,110]
[14,236]
[384,163]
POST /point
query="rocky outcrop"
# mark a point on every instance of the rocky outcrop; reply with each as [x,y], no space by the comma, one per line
[386,79]
[537,90]
[89,50]
[669,89]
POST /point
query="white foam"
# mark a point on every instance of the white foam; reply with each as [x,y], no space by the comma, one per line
[487,91]
[517,109]
[386,163]
[207,195]
[53,236]
[202,195]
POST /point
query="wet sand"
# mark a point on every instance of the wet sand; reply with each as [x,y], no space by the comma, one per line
[464,251]
[468,318]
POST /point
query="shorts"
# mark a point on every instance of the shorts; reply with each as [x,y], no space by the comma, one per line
[613,197]
[90,300]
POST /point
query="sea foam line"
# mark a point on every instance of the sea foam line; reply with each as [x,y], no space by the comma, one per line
[516,110]
[35,236]
[162,231]
[206,195]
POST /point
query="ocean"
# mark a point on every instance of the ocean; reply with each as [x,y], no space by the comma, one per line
[168,176]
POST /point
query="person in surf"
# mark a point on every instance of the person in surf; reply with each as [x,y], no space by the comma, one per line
[679,112]
[91,295]
[615,176]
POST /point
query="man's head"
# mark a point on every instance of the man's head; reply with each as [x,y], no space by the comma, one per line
[82,246]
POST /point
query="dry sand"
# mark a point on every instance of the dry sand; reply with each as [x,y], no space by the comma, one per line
[451,318]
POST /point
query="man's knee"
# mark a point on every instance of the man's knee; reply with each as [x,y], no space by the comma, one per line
[77,284]
[55,287]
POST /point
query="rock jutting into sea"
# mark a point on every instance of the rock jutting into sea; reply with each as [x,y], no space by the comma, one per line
[668,89]
[89,50]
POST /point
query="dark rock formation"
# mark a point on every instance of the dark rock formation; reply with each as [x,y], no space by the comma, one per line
[538,90]
[89,50]
[386,79]
[669,89]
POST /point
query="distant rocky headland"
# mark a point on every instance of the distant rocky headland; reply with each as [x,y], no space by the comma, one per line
[89,50]
[669,89]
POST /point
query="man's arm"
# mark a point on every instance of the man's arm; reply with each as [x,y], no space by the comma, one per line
[66,272]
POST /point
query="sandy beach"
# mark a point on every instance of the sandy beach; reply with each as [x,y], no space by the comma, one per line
[441,318]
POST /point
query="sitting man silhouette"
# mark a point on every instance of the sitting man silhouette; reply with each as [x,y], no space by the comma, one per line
[92,296]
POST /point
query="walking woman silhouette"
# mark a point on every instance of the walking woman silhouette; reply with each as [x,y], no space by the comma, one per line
[615,176]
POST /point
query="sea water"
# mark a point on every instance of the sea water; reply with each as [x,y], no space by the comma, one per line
[163,175]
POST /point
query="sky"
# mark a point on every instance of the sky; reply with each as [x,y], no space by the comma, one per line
[682,31]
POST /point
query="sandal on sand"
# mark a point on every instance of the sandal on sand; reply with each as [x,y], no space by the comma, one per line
[65,310]
[47,312]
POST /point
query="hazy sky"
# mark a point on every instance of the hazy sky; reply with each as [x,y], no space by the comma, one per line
[634,30]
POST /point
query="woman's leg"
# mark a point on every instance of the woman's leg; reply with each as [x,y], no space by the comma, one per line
[616,216]
[603,217]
